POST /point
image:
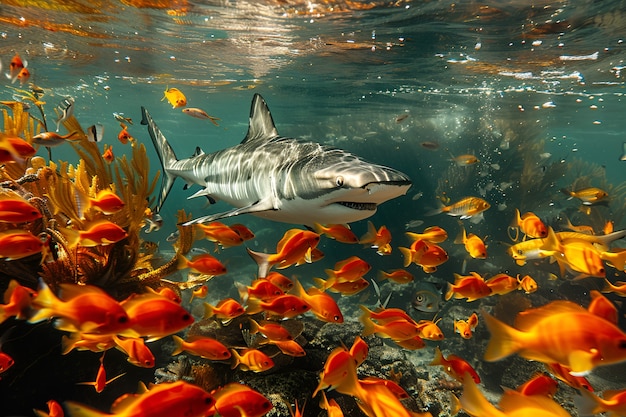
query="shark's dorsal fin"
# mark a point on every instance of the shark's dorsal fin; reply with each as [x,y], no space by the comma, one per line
[261,125]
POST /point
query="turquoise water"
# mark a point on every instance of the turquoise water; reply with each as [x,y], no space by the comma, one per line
[530,90]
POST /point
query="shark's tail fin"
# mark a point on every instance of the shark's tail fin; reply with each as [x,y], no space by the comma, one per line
[166,156]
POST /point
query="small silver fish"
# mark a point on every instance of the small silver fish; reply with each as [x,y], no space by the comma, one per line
[200,114]
[121,118]
[64,110]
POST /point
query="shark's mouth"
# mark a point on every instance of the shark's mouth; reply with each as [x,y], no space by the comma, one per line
[358,206]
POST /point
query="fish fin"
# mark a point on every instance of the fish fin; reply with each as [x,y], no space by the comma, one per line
[262,260]
[370,236]
[406,253]
[504,339]
[261,126]
[260,206]
[474,402]
[178,341]
[581,362]
[166,156]
[95,133]
[587,404]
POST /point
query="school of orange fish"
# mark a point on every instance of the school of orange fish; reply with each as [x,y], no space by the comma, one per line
[93,320]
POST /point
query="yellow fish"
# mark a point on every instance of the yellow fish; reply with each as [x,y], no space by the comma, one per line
[175,97]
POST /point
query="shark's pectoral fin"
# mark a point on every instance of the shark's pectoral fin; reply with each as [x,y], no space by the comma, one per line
[265,204]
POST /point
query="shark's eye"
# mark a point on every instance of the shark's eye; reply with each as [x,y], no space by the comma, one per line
[339,181]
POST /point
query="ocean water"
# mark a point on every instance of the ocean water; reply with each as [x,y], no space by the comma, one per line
[533,89]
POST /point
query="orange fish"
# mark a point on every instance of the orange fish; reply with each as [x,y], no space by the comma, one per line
[395,389]
[175,97]
[226,310]
[205,347]
[289,347]
[349,269]
[613,403]
[588,196]
[154,316]
[280,281]
[101,378]
[395,330]
[414,253]
[399,276]
[339,371]
[17,70]
[271,330]
[107,155]
[221,234]
[200,114]
[135,348]
[322,305]
[473,244]
[80,308]
[472,287]
[98,233]
[286,306]
[124,137]
[296,244]
[465,160]
[466,327]
[455,366]
[87,341]
[412,343]
[237,400]
[376,399]
[339,232]
[199,292]
[251,360]
[530,225]
[52,139]
[502,284]
[54,410]
[378,239]
[465,208]
[204,264]
[18,301]
[432,234]
[429,258]
[343,287]
[586,341]
[261,289]
[428,329]
[242,231]
[162,400]
[18,244]
[107,202]
[386,315]
[527,284]
[15,149]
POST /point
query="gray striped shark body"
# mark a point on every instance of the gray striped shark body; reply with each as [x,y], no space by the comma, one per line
[278,178]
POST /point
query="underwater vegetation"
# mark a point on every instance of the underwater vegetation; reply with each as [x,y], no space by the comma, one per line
[115,309]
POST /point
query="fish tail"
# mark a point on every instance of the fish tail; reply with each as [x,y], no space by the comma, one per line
[321,283]
[449,293]
[254,306]
[369,327]
[72,236]
[406,253]
[236,359]
[438,359]
[474,403]
[504,339]
[262,260]
[209,310]
[567,193]
[44,301]
[254,326]
[370,236]
[166,156]
[178,341]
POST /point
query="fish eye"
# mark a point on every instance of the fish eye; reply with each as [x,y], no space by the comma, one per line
[336,318]
[419,298]
[622,344]
[122,319]
[339,181]
[208,400]
[267,405]
[186,317]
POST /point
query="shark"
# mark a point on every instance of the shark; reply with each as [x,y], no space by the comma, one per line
[279,178]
